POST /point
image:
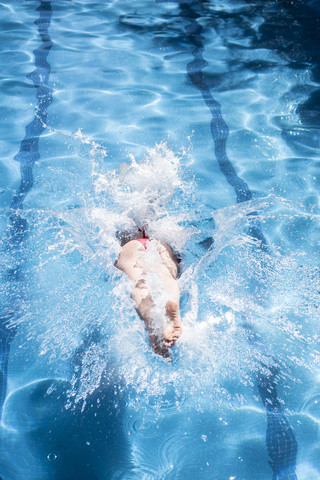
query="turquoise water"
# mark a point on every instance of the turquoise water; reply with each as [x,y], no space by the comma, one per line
[201,121]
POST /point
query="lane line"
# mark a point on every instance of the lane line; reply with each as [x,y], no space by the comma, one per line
[18,226]
[281,443]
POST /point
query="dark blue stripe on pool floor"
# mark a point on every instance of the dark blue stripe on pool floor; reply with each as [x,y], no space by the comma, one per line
[219,128]
[29,149]
[281,443]
[280,440]
[27,156]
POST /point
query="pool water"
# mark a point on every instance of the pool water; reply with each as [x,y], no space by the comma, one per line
[199,121]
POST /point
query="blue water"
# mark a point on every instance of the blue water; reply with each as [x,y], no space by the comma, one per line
[201,121]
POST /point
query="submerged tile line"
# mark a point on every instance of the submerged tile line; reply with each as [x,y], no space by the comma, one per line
[281,443]
[29,149]
[218,127]
[27,156]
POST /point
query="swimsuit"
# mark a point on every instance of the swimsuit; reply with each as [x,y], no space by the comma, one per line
[142,240]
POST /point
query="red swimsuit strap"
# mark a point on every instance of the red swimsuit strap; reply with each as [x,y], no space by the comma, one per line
[143,241]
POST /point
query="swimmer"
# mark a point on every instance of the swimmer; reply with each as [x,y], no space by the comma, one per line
[131,262]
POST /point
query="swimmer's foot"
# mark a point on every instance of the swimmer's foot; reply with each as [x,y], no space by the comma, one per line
[173,329]
[161,343]
[159,346]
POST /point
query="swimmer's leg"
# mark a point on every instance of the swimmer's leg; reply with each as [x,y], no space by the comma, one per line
[130,262]
[169,273]
[173,329]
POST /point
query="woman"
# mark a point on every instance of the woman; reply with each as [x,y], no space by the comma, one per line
[132,261]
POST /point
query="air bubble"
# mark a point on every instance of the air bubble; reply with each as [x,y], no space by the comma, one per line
[52,457]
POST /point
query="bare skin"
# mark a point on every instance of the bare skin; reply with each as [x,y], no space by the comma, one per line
[131,262]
